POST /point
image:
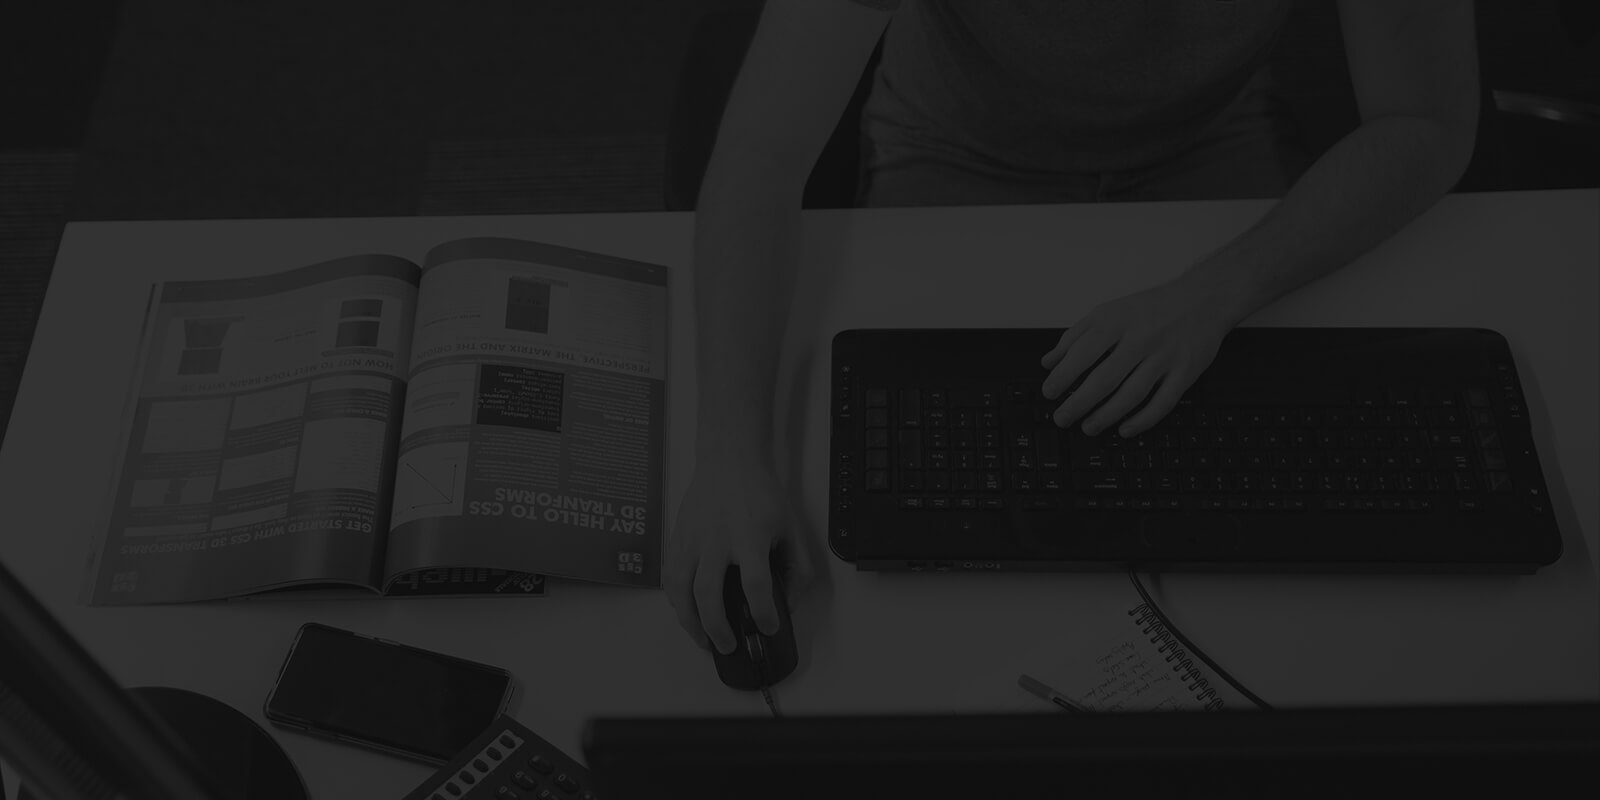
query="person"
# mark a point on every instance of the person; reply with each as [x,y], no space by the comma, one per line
[1027,101]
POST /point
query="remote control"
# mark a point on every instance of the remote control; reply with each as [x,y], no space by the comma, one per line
[507,762]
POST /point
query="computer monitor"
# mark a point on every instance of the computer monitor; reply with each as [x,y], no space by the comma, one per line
[73,733]
[1327,752]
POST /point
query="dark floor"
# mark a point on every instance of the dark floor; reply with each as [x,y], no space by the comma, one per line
[173,109]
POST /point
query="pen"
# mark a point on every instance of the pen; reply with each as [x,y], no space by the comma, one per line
[1035,687]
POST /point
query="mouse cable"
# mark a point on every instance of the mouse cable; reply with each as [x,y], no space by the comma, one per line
[766,692]
[1133,575]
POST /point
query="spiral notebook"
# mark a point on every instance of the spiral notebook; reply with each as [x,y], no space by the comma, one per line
[1128,662]
[1144,668]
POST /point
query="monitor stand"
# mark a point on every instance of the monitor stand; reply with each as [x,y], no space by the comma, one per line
[245,760]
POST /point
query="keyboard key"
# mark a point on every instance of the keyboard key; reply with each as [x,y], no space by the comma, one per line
[1492,459]
[939,503]
[911,502]
[877,398]
[877,418]
[877,438]
[937,398]
[964,418]
[877,459]
[965,481]
[524,780]
[909,447]
[1498,482]
[538,763]
[1040,504]
[938,481]
[1049,450]
[505,793]
[1364,503]
[965,459]
[935,418]
[937,459]
[910,408]
[1469,504]
[1294,503]
[1335,504]
[993,504]
[877,480]
[1022,481]
[990,483]
[1051,481]
[966,503]
[1099,482]
[1466,482]
[911,481]
[1445,417]
[1477,398]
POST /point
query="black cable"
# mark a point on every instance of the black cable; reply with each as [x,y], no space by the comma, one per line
[766,692]
[1133,575]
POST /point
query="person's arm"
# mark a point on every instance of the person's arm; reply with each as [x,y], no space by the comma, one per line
[1414,68]
[1413,65]
[802,67]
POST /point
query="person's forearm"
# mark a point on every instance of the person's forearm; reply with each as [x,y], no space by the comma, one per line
[1363,190]
[746,235]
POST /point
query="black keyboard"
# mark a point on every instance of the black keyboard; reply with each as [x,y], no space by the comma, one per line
[1356,448]
[1390,449]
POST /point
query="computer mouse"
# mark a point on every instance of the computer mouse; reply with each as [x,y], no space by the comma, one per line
[757,660]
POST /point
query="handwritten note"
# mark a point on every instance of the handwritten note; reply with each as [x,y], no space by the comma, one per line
[1121,673]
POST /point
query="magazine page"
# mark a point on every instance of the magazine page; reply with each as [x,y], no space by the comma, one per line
[259,434]
[533,432]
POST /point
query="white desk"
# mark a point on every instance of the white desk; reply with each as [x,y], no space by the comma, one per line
[1526,264]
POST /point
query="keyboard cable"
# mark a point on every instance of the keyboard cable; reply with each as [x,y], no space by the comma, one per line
[1133,575]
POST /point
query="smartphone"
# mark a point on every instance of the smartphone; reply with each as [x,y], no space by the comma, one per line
[375,693]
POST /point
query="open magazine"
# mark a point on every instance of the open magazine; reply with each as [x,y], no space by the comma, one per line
[464,426]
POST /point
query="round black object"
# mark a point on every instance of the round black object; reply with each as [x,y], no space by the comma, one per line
[242,758]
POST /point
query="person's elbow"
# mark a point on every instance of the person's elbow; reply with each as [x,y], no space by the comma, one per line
[1455,140]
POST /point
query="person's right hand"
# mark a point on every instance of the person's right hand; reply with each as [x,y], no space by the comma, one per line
[734,512]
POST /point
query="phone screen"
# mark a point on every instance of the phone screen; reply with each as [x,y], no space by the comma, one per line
[399,697]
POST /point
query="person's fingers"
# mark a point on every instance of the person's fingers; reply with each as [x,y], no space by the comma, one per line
[1084,352]
[1135,389]
[680,593]
[708,580]
[1064,344]
[1168,392]
[1101,381]
[755,572]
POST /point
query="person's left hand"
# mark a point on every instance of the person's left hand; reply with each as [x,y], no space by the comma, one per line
[1160,339]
